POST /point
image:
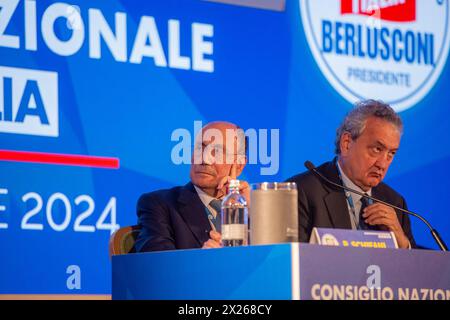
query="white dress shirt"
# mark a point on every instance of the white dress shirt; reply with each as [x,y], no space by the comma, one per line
[206,200]
[356,198]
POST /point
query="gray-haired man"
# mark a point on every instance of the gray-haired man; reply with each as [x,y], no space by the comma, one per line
[366,143]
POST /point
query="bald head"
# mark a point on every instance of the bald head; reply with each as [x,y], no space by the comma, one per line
[221,125]
[218,147]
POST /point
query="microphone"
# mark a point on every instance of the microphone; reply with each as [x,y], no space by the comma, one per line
[310,166]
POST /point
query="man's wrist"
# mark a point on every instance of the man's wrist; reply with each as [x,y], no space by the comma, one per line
[403,242]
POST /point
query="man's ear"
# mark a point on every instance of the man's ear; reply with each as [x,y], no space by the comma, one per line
[345,142]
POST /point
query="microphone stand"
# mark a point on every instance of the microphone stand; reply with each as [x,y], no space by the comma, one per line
[440,242]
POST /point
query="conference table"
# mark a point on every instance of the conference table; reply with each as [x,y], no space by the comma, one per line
[287,271]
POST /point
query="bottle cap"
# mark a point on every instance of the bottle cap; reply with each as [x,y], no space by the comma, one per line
[234,184]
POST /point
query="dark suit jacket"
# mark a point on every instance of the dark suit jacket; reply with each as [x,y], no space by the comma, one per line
[172,219]
[325,206]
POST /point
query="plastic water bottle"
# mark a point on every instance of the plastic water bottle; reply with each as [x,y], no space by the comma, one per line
[234,215]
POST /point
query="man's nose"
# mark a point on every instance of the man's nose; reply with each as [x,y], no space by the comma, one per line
[383,161]
[208,158]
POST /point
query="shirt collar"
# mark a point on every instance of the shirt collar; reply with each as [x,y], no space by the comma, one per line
[204,197]
[349,184]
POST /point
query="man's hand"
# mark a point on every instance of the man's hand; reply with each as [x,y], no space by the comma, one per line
[214,242]
[386,217]
[244,187]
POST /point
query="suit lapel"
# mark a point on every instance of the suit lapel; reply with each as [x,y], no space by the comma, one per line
[376,193]
[335,200]
[338,210]
[193,212]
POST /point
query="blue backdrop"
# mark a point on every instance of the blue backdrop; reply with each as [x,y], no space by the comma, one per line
[63,91]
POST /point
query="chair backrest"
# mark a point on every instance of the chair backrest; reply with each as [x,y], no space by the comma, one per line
[122,240]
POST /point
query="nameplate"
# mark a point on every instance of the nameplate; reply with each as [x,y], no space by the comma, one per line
[353,238]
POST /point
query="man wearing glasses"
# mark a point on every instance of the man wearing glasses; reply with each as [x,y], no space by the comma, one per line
[188,216]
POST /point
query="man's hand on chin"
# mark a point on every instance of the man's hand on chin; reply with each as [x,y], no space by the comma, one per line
[244,187]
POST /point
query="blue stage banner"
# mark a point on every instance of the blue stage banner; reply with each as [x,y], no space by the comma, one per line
[91,95]
[96,98]
[390,274]
[239,273]
[288,271]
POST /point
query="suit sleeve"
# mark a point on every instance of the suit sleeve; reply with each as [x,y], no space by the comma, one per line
[406,224]
[304,217]
[156,229]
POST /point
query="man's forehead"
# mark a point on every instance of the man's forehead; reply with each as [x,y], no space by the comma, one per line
[379,124]
[218,135]
[382,132]
[220,125]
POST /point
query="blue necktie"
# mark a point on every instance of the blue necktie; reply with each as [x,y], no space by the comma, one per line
[365,203]
[216,205]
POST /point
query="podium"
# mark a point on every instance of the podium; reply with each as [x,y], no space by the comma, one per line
[288,271]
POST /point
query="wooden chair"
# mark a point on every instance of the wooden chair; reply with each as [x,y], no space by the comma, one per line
[122,240]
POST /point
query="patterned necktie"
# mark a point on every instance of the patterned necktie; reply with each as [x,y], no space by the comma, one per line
[216,205]
[365,202]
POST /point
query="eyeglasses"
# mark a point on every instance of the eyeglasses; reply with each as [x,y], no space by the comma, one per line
[216,151]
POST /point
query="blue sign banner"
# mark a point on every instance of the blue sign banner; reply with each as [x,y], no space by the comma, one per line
[248,272]
[390,274]
[284,271]
[100,102]
[91,95]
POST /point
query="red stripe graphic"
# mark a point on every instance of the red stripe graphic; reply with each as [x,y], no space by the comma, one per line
[60,159]
[397,11]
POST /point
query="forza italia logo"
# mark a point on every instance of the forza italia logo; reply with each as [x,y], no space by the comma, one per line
[393,50]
